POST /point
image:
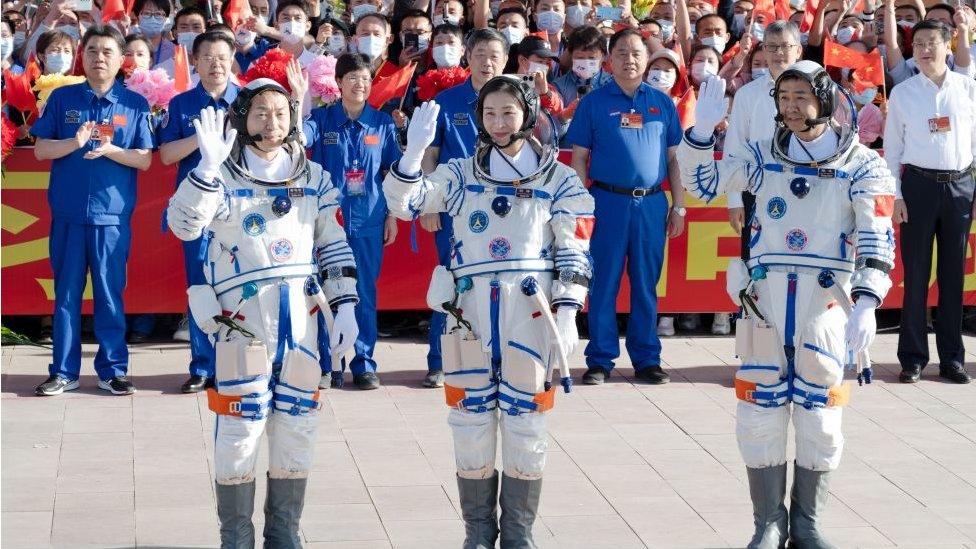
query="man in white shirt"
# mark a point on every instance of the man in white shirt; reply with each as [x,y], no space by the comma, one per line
[930,143]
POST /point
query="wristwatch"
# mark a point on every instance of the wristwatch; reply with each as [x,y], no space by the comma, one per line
[680,211]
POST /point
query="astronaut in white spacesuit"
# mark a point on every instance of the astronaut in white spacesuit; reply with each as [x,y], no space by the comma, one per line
[522,224]
[822,239]
[266,212]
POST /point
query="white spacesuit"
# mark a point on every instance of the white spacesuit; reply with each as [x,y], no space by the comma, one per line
[821,237]
[522,225]
[265,220]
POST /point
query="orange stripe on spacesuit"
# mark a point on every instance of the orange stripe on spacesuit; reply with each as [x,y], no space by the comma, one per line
[453,395]
[223,404]
[584,227]
[839,396]
[744,390]
[884,205]
[545,400]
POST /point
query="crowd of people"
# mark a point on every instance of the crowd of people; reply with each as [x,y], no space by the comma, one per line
[825,123]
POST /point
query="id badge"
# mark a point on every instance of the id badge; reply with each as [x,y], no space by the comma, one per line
[355,182]
[940,124]
[103,131]
[631,120]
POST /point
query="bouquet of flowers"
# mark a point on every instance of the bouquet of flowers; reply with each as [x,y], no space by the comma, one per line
[273,65]
[8,135]
[435,81]
[321,79]
[155,85]
[47,83]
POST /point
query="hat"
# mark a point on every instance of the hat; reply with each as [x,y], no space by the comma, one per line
[533,45]
[669,54]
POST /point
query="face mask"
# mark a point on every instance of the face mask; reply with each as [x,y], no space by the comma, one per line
[447,55]
[700,71]
[760,73]
[798,5]
[758,32]
[550,21]
[494,6]
[362,9]
[738,22]
[716,42]
[152,26]
[57,63]
[905,24]
[19,39]
[441,19]
[576,15]
[244,37]
[70,31]
[586,68]
[371,46]
[667,29]
[263,19]
[293,31]
[804,37]
[538,67]
[866,97]
[337,44]
[168,25]
[514,35]
[845,35]
[6,48]
[185,39]
[661,80]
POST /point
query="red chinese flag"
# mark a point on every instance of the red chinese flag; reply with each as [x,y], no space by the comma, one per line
[836,55]
[115,9]
[733,51]
[18,94]
[395,85]
[686,109]
[32,70]
[181,69]
[235,12]
[870,74]
[808,14]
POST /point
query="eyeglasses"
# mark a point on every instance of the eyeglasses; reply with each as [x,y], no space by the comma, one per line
[777,48]
[211,58]
[927,45]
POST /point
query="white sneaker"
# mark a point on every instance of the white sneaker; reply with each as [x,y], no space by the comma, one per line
[721,325]
[665,326]
[688,322]
[182,332]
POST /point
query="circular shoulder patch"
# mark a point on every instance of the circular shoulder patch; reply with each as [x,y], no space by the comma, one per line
[776,207]
[478,221]
[281,250]
[254,224]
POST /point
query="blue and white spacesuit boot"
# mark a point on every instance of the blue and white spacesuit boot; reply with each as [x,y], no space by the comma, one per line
[822,239]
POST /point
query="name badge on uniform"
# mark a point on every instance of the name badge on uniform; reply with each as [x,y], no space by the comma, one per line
[939,124]
[355,182]
[72,117]
[330,138]
[103,132]
[631,120]
[460,119]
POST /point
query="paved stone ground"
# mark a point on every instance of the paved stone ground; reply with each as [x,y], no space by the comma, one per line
[629,465]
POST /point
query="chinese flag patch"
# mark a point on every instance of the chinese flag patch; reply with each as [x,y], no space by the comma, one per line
[119,120]
[654,110]
[371,139]
[584,227]
[884,205]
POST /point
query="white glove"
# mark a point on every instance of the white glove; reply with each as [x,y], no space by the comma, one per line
[420,134]
[213,142]
[344,328]
[861,325]
[566,325]
[711,108]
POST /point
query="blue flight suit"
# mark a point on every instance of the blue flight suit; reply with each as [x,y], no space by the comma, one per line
[183,110]
[456,137]
[627,227]
[91,207]
[367,144]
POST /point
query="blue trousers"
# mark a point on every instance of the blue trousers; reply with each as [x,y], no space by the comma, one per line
[631,229]
[438,321]
[76,249]
[202,353]
[368,252]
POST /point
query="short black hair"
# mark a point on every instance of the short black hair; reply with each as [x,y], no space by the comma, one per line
[378,17]
[706,17]
[448,28]
[514,9]
[141,38]
[485,35]
[300,4]
[351,62]
[215,26]
[946,7]
[140,4]
[212,36]
[53,37]
[187,12]
[624,33]
[415,13]
[912,7]
[587,38]
[945,32]
[107,31]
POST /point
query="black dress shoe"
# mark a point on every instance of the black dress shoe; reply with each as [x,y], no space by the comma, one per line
[910,375]
[195,384]
[434,379]
[595,376]
[653,375]
[954,373]
[367,381]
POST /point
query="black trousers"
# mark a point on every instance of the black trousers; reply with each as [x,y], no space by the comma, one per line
[940,212]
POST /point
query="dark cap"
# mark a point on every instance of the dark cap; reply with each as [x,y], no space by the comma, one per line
[533,45]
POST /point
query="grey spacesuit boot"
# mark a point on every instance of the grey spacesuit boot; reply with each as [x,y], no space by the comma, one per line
[479,500]
[519,502]
[807,501]
[235,505]
[282,511]
[767,487]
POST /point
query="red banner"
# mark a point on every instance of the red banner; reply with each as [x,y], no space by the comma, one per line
[693,278]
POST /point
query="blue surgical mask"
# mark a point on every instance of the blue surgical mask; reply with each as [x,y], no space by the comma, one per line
[760,73]
[57,63]
[186,39]
[866,97]
[370,46]
[576,15]
[550,21]
[19,39]
[361,10]
[6,48]
[152,26]
[667,29]
[514,35]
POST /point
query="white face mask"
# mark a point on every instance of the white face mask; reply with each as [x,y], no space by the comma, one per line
[576,15]
[371,46]
[586,68]
[244,37]
[760,73]
[57,63]
[293,31]
[19,39]
[6,48]
[845,35]
[738,22]
[263,19]
[717,42]
[514,35]
[447,55]
[550,21]
[701,70]
[337,44]
[152,26]
[362,9]
[667,29]
[661,80]
[538,67]
[440,19]
[423,42]
[185,39]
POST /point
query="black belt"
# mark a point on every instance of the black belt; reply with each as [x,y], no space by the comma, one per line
[942,176]
[638,192]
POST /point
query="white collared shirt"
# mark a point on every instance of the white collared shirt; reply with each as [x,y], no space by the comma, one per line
[523,164]
[907,138]
[752,119]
